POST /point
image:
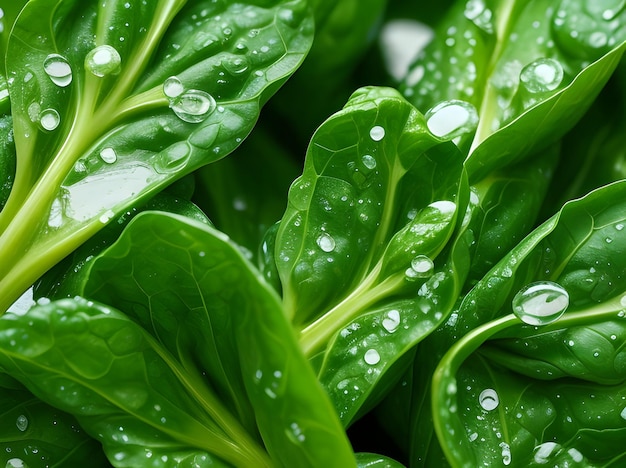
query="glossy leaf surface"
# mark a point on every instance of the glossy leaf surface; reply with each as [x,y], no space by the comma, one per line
[131,95]
[211,310]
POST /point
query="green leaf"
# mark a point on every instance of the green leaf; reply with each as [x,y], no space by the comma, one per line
[519,63]
[373,460]
[187,90]
[196,294]
[36,434]
[370,170]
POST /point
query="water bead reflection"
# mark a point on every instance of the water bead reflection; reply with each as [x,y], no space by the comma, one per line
[58,69]
[542,75]
[450,119]
[103,60]
[49,119]
[377,133]
[326,242]
[108,155]
[540,303]
[488,399]
[193,106]
[22,422]
[371,357]
[391,322]
[172,87]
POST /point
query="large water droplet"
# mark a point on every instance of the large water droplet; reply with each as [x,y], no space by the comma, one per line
[422,265]
[22,422]
[542,75]
[16,463]
[540,303]
[623,413]
[371,357]
[58,69]
[543,452]
[173,158]
[477,12]
[108,155]
[193,106]
[326,242]
[369,161]
[450,119]
[103,60]
[488,399]
[444,206]
[235,65]
[392,320]
[49,119]
[377,133]
[172,87]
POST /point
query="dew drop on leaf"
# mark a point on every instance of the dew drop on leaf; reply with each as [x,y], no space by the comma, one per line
[22,422]
[369,161]
[235,65]
[16,463]
[377,133]
[173,158]
[172,87]
[103,60]
[422,265]
[391,322]
[623,413]
[488,399]
[371,357]
[540,303]
[58,69]
[108,155]
[477,12]
[193,106]
[326,242]
[49,119]
[542,75]
[450,119]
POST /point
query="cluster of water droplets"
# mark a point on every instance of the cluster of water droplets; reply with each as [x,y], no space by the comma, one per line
[478,13]
[540,303]
[190,105]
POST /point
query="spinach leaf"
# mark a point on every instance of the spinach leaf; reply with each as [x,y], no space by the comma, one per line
[208,309]
[36,434]
[131,96]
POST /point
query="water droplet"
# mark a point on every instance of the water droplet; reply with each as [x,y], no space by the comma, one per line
[193,106]
[543,452]
[422,265]
[108,155]
[371,357]
[369,161]
[106,217]
[172,87]
[450,119]
[22,422]
[16,463]
[326,242]
[619,226]
[235,65]
[542,75]
[623,413]
[58,69]
[391,322]
[295,433]
[506,453]
[174,158]
[49,119]
[488,399]
[103,60]
[377,133]
[540,303]
[477,12]
[444,206]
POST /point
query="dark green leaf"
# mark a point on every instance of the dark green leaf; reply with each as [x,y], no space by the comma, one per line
[195,293]
[187,90]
